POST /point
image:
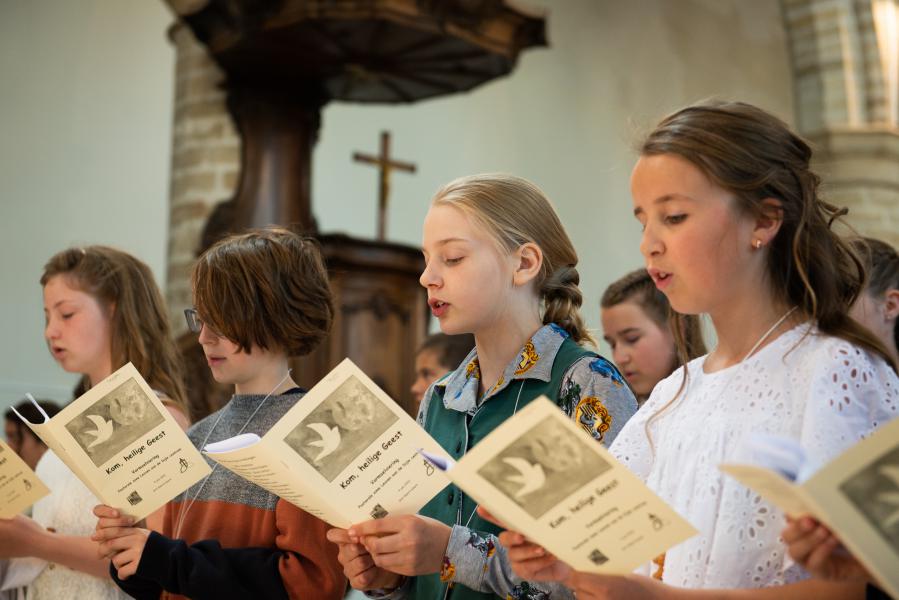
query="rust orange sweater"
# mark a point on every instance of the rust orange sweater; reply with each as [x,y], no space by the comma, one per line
[228,538]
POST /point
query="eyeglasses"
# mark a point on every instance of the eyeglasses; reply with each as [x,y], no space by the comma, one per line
[195,323]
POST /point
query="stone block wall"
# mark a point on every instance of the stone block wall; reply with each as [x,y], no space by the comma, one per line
[205,162]
[844,62]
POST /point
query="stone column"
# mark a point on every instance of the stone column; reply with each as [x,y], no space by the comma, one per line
[205,162]
[845,58]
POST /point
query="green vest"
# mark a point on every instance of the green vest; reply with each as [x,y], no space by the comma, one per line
[456,434]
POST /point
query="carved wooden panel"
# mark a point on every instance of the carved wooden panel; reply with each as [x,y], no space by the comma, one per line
[381,314]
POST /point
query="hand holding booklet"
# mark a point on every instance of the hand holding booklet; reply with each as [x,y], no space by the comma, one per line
[19,486]
[123,444]
[542,475]
[856,495]
[345,453]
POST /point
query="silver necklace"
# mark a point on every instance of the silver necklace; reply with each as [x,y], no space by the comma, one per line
[767,333]
[183,513]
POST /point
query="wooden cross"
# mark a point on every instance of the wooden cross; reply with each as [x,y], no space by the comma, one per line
[385,165]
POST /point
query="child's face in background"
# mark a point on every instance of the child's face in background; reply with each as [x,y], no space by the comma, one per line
[878,314]
[23,443]
[427,370]
[697,249]
[77,329]
[643,350]
[469,282]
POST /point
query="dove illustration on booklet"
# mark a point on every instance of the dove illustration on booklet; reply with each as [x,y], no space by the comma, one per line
[123,444]
[547,478]
[345,453]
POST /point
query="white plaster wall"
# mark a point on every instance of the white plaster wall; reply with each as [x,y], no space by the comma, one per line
[568,118]
[85,113]
[85,135]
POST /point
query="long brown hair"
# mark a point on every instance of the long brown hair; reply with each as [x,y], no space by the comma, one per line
[882,263]
[139,326]
[755,156]
[515,211]
[638,287]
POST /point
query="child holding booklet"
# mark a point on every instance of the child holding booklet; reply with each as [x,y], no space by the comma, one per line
[499,265]
[820,552]
[102,310]
[733,226]
[260,297]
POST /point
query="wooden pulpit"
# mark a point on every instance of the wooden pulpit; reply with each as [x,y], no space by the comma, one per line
[381,314]
[283,61]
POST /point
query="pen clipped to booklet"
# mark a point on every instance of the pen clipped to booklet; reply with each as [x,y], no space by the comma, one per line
[123,444]
[541,474]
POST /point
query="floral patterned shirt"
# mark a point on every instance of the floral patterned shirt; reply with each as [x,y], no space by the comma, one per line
[592,392]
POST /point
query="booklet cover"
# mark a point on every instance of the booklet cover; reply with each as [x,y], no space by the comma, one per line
[345,453]
[544,476]
[19,486]
[856,495]
[123,444]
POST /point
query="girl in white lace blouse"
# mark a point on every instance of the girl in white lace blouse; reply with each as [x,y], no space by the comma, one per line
[733,227]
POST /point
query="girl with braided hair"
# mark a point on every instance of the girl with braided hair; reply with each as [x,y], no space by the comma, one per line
[499,265]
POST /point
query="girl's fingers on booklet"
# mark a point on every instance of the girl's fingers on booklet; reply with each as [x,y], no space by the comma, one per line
[407,544]
[589,586]
[338,536]
[487,515]
[819,552]
[358,565]
[101,510]
[108,516]
[544,568]
[121,549]
[510,538]
[126,562]
[110,533]
[530,560]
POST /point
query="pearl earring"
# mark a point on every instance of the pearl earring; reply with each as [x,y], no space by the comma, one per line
[758,244]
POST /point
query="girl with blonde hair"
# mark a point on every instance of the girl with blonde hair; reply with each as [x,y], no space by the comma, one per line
[499,265]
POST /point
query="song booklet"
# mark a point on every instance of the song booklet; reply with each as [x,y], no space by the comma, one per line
[19,486]
[542,475]
[123,444]
[346,453]
[856,495]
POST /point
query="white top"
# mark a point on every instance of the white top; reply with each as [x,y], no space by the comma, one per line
[69,510]
[819,390]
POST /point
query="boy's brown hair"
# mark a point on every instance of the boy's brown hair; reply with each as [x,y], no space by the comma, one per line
[266,288]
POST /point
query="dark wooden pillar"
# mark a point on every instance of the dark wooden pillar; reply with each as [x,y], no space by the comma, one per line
[279,132]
